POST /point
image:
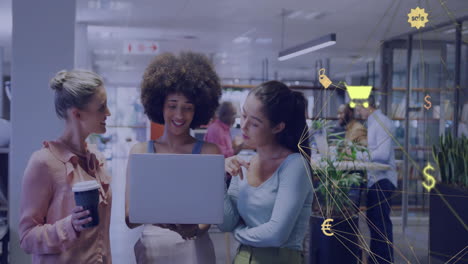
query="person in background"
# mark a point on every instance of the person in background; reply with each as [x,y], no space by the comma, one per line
[181,92]
[50,226]
[380,184]
[354,131]
[269,205]
[219,133]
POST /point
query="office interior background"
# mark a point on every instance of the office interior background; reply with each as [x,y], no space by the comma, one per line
[375,46]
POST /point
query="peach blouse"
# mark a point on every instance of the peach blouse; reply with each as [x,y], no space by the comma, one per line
[47,201]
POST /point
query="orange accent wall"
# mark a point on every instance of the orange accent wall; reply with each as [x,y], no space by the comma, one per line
[157,131]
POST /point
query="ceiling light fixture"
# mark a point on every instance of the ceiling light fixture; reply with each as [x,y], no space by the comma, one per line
[295,14]
[302,14]
[307,47]
[109,5]
[314,15]
[241,40]
[263,40]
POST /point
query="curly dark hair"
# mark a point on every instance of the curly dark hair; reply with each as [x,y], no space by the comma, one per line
[190,74]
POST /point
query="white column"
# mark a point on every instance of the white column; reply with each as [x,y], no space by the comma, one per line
[82,54]
[1,80]
[43,43]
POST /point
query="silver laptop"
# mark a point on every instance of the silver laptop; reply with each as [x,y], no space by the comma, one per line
[176,188]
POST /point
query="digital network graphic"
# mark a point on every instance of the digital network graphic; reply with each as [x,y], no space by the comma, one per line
[338,198]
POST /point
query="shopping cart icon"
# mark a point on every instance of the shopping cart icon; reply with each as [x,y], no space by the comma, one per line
[359,95]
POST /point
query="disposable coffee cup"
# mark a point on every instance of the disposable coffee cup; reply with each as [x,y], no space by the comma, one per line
[87,196]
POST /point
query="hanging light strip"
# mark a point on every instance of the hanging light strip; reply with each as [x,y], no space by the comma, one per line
[307,47]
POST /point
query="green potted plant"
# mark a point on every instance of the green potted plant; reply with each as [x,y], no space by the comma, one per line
[448,217]
[338,195]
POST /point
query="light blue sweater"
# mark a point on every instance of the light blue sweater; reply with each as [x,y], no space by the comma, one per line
[274,214]
[380,131]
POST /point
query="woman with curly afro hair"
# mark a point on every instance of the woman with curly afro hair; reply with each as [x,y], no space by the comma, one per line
[180,92]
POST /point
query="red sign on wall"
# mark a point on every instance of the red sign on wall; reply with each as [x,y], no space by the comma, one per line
[141,47]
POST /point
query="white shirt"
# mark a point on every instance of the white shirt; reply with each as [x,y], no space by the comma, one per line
[380,135]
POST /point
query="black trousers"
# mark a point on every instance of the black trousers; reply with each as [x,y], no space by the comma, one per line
[378,219]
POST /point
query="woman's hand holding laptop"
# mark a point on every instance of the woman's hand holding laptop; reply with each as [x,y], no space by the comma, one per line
[186,231]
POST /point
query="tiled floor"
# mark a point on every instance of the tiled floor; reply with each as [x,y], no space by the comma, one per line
[412,246]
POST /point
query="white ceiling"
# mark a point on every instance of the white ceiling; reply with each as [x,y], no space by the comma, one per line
[210,26]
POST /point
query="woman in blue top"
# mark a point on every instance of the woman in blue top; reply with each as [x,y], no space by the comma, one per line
[268,206]
[181,92]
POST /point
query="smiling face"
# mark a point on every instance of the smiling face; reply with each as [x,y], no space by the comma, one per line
[178,112]
[93,116]
[256,127]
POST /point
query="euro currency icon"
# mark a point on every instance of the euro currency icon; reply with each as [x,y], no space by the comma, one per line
[429,178]
[429,105]
[326,227]
[323,79]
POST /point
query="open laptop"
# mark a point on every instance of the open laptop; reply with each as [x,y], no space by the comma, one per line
[176,189]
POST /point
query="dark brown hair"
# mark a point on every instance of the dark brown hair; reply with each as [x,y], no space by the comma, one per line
[281,104]
[348,114]
[225,112]
[190,74]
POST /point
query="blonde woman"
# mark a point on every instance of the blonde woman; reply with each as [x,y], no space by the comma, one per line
[51,225]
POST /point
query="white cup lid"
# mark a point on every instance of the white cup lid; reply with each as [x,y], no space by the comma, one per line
[85,186]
